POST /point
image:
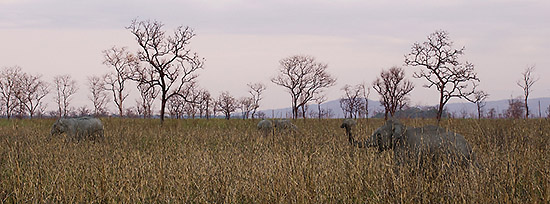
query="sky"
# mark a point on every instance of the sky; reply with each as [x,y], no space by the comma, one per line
[243,40]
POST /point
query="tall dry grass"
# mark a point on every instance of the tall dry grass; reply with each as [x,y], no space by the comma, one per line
[217,161]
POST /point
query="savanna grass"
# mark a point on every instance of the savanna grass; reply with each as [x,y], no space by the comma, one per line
[229,161]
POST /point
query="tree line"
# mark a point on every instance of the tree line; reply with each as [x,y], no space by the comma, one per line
[166,69]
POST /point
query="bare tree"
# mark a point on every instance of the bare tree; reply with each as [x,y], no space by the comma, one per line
[227,104]
[526,82]
[9,87]
[256,91]
[205,107]
[82,111]
[30,92]
[479,100]
[194,95]
[449,76]
[176,107]
[515,108]
[393,89]
[365,91]
[319,100]
[123,62]
[65,87]
[145,103]
[99,97]
[246,104]
[351,103]
[170,63]
[492,113]
[304,78]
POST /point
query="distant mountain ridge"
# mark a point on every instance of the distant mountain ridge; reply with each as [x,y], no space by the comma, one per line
[458,109]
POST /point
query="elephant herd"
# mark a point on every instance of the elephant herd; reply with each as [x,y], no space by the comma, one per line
[409,144]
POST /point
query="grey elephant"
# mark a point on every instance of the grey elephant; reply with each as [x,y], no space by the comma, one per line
[284,124]
[79,128]
[265,126]
[419,144]
[269,126]
[348,124]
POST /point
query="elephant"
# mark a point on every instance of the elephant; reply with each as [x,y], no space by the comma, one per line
[79,128]
[267,126]
[348,124]
[284,124]
[419,144]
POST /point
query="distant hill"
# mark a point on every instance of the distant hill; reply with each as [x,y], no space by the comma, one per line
[457,109]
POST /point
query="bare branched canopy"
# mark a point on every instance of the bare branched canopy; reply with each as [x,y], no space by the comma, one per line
[9,87]
[526,83]
[145,103]
[98,95]
[352,103]
[32,89]
[170,64]
[479,99]
[123,62]
[227,104]
[442,68]
[65,87]
[255,91]
[393,89]
[304,79]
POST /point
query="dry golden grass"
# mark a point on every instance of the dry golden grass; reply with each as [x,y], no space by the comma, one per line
[219,161]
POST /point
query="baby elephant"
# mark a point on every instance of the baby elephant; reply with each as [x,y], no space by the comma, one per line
[419,144]
[79,128]
[269,126]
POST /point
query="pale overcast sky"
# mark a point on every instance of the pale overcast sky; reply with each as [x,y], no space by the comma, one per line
[243,40]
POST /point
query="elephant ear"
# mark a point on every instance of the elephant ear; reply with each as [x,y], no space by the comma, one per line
[398,130]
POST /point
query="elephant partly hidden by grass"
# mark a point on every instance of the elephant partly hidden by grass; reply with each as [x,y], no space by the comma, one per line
[417,145]
[270,126]
[79,128]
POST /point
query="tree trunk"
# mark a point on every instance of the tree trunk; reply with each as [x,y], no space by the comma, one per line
[162,106]
[440,109]
[526,109]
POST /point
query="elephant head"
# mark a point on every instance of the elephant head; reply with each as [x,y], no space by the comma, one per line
[387,136]
[348,123]
[59,127]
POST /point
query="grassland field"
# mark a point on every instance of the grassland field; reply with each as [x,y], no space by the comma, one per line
[230,161]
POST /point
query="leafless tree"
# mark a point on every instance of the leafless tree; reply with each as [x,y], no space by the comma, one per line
[145,103]
[176,107]
[365,92]
[99,97]
[479,99]
[171,65]
[256,91]
[393,89]
[65,87]
[351,103]
[443,70]
[304,79]
[492,113]
[319,100]
[227,104]
[526,82]
[205,104]
[9,87]
[194,95]
[31,90]
[123,62]
[516,108]
[246,104]
[82,111]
